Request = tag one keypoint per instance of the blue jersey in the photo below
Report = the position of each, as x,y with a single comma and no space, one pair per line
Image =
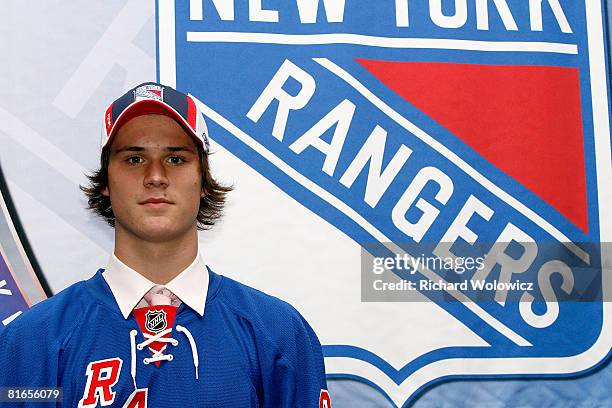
248,350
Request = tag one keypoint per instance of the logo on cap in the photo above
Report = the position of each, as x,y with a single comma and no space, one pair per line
156,321
155,92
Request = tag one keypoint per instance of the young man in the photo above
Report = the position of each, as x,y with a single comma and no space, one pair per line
158,328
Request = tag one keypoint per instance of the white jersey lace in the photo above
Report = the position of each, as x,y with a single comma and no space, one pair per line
159,355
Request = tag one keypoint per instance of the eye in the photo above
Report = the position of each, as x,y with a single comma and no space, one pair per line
134,160
176,160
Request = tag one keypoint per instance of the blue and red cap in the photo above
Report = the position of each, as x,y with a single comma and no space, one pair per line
153,98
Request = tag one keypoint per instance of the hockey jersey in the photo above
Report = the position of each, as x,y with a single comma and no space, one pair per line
249,349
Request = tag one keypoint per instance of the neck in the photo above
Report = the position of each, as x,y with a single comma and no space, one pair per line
160,262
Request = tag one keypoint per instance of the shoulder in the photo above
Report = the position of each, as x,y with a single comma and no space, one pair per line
56,317
288,352
253,303
280,346
275,317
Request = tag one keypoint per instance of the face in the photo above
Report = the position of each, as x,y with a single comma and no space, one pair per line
154,179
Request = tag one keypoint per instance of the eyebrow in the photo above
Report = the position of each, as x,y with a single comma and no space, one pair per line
171,149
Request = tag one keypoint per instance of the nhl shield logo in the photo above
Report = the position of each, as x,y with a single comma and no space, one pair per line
156,321
476,133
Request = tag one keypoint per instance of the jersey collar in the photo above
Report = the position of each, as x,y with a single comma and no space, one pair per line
129,287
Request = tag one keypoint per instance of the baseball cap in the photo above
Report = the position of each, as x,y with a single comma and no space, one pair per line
153,98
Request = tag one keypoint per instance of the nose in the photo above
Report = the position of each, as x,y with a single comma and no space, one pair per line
155,175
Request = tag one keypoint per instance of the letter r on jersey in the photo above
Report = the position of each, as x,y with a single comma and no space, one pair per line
102,375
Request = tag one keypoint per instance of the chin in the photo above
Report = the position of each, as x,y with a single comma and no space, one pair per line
158,235
159,230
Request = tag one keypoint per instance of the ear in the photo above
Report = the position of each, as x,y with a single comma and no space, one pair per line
105,192
203,193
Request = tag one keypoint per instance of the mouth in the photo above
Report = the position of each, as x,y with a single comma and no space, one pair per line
156,202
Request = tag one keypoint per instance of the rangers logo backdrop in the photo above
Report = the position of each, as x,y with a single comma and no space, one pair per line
357,135
421,122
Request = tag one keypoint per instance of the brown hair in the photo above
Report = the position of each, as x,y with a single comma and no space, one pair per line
211,205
